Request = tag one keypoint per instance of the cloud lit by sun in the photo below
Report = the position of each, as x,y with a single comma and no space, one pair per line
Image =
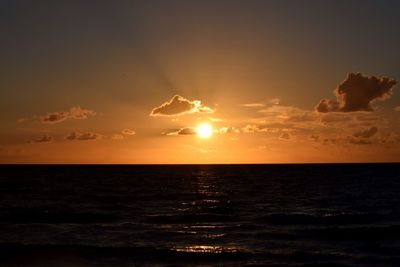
204,130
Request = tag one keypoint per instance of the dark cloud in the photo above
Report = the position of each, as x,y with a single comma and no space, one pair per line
187,131
183,131
43,139
315,138
366,133
83,136
326,105
55,117
76,113
356,93
128,132
178,105
285,136
360,141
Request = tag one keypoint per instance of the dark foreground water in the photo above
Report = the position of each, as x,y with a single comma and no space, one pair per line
224,215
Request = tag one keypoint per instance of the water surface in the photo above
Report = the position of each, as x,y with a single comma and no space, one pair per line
200,215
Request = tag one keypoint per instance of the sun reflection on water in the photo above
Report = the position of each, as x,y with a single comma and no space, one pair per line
206,249
205,206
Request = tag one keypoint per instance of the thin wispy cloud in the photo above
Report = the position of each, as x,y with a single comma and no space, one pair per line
76,113
128,132
366,133
117,137
252,105
42,139
83,136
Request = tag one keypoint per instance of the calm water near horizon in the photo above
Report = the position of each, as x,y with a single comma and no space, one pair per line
200,215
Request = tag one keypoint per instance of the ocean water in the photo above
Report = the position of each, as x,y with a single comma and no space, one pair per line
200,215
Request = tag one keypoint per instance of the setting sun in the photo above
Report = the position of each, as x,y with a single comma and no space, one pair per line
204,130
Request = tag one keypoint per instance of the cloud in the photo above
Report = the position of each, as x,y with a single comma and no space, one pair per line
360,141
335,118
327,105
213,119
285,136
43,139
227,130
55,117
83,136
183,131
253,105
128,132
303,117
390,138
356,93
178,105
368,118
117,137
252,128
273,101
79,113
187,131
76,113
366,133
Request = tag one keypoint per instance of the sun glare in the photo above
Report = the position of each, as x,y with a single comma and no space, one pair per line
204,130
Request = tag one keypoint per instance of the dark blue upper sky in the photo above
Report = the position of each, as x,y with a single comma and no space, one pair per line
292,40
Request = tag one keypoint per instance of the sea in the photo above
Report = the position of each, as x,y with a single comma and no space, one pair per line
200,215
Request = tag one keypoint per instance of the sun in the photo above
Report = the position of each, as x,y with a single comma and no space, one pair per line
204,130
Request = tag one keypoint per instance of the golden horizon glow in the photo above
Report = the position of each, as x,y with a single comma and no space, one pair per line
204,130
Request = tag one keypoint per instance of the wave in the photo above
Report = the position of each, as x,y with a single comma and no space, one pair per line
35,216
189,218
338,219
86,255
359,233
29,253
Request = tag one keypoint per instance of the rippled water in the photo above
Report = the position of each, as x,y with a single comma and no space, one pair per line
200,215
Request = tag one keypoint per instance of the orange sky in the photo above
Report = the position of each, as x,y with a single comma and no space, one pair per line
130,82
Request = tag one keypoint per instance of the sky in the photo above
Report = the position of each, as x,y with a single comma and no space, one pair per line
121,82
